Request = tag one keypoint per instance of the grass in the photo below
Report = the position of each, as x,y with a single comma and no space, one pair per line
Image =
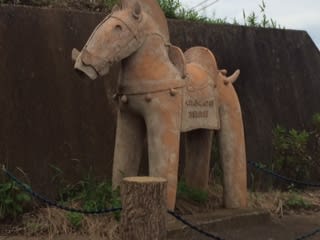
259,19
196,195
281,203
296,200
172,9
52,222
88,194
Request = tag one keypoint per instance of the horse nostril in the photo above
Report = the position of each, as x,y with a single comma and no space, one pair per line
118,28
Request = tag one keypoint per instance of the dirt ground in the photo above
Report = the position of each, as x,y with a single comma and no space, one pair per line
286,228
292,215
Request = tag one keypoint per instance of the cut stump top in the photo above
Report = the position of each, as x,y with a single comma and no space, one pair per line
144,180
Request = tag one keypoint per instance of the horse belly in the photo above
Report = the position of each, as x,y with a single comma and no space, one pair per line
200,109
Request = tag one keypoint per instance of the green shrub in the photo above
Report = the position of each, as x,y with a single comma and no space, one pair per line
316,122
170,7
296,201
290,152
75,219
315,142
110,3
174,9
13,201
193,194
89,194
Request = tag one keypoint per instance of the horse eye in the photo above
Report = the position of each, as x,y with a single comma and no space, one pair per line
118,27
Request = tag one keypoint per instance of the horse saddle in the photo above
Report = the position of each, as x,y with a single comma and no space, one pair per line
200,108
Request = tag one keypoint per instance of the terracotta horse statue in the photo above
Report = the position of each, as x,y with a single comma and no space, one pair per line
163,92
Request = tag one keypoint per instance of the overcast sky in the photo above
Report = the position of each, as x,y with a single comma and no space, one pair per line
292,14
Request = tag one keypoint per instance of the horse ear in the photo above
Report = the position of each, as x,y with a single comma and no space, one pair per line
116,8
136,13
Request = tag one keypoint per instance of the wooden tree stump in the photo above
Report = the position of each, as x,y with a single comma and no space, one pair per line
143,216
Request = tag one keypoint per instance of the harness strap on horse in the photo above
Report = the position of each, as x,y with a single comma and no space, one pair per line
149,87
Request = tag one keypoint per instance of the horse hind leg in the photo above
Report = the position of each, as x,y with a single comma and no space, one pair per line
232,151
198,144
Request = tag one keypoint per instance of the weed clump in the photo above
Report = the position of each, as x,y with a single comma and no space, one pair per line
13,201
196,195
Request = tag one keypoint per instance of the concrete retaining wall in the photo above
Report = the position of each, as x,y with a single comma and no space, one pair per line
49,117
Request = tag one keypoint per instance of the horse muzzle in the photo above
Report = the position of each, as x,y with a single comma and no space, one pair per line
88,64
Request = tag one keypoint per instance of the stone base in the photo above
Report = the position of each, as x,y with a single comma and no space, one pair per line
219,219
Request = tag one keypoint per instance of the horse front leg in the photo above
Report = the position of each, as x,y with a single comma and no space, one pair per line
130,134
163,130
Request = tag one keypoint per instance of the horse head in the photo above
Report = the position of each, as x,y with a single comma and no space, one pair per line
119,35
115,38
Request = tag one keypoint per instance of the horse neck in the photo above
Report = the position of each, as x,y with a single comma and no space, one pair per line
149,63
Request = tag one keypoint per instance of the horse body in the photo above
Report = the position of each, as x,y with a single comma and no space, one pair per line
154,80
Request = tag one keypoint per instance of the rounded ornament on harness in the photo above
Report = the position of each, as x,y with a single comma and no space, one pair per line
124,99
173,92
148,98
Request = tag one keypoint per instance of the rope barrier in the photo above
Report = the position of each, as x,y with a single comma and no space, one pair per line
178,217
185,222
288,180
54,203
283,178
103,211
309,235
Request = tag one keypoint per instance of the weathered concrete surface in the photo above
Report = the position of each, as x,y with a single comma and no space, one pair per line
251,226
220,219
48,115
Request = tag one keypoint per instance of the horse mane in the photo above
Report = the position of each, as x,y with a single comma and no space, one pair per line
152,8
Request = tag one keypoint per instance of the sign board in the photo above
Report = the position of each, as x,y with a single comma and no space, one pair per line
200,108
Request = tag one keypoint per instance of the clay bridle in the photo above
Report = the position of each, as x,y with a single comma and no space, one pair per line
135,34
132,28
92,58
127,25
